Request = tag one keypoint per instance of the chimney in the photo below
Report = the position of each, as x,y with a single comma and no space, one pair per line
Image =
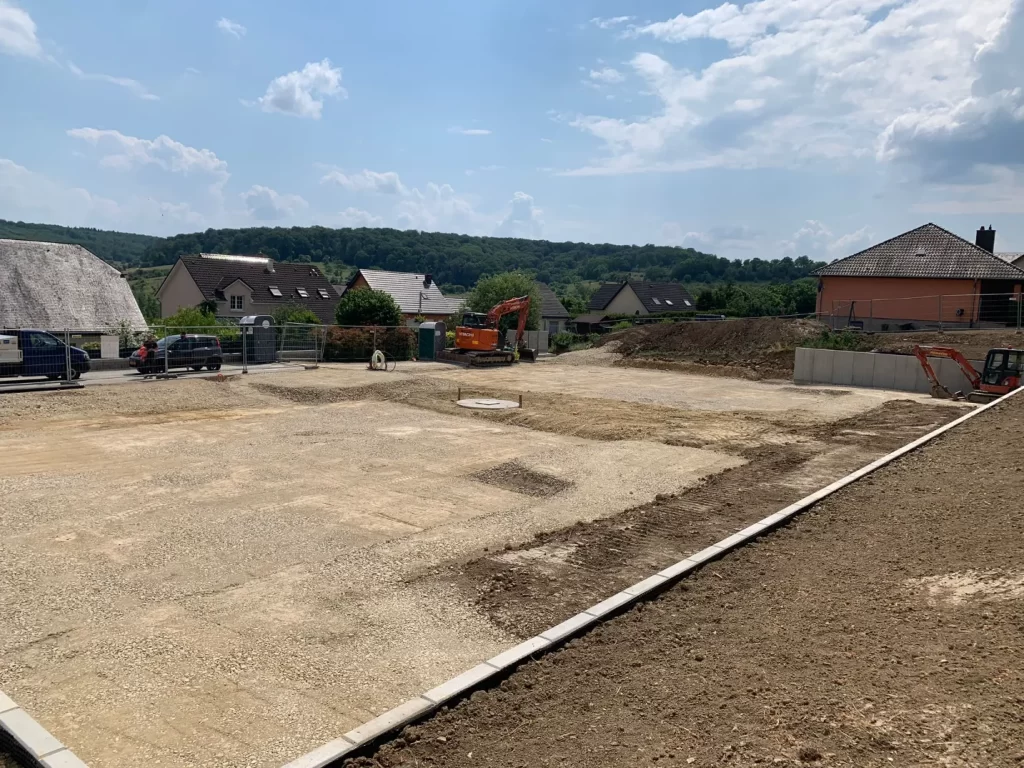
270,267
986,239
427,280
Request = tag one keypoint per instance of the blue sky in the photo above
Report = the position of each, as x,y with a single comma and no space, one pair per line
766,128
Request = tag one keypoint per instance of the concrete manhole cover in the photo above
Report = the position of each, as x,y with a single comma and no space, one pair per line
487,404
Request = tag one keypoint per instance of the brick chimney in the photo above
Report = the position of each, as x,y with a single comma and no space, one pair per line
986,238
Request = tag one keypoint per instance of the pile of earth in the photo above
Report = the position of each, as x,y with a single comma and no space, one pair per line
752,348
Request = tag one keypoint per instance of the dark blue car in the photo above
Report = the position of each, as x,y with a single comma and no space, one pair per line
38,353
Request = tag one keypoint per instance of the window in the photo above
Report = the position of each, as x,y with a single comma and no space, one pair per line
43,341
323,293
656,302
238,302
302,292
687,303
669,302
275,291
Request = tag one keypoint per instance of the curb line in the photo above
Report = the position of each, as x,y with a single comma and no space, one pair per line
369,734
31,743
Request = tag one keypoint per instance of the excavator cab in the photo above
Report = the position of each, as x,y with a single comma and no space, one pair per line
474,320
1003,370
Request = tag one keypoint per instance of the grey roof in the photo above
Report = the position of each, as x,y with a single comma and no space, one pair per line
656,297
405,288
213,272
1012,257
550,306
928,251
52,286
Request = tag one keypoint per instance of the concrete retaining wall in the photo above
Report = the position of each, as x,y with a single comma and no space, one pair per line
873,369
537,340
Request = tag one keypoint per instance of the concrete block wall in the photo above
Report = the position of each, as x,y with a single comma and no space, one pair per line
537,340
872,369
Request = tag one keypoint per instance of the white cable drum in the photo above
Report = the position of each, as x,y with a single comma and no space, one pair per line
377,361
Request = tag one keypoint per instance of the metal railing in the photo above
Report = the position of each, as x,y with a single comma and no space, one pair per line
926,313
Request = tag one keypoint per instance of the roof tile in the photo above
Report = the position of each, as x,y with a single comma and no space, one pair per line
928,251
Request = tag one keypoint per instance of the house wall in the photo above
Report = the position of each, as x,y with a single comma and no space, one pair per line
553,325
626,302
178,290
878,301
237,288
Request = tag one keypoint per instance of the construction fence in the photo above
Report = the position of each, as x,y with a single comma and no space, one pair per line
161,351
926,313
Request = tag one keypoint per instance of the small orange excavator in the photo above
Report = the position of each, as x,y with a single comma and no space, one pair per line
478,339
1002,372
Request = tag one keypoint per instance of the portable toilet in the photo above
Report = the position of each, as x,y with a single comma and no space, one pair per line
259,339
432,338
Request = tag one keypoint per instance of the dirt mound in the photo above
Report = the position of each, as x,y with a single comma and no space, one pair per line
762,347
513,476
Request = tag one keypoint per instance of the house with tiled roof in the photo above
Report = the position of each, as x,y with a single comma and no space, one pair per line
925,278
246,285
636,297
417,295
553,315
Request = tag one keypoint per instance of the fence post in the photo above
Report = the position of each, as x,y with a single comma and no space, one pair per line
871,316
323,346
374,341
1019,297
940,311
245,360
167,346
67,354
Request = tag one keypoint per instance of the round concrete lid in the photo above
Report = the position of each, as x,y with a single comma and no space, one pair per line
487,403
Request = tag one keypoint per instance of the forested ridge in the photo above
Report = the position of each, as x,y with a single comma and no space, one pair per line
455,261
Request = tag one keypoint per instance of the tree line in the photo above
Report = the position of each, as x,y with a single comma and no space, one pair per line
456,262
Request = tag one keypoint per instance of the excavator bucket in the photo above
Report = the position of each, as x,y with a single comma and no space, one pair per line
527,354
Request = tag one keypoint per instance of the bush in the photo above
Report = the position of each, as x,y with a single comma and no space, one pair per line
850,341
570,342
365,307
622,325
346,345
449,339
295,313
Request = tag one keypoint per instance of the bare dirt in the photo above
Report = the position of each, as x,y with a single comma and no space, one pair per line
764,348
755,348
513,476
881,628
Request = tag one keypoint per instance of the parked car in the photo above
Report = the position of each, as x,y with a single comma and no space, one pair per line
28,352
191,350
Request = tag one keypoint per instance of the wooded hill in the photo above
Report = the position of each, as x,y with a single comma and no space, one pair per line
454,260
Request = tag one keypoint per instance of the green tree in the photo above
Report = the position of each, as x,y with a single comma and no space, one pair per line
363,306
295,313
208,306
491,291
187,319
148,303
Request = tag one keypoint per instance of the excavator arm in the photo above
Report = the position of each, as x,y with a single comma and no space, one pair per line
923,353
520,305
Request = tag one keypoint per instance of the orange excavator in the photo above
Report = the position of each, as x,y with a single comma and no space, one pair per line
1001,374
478,339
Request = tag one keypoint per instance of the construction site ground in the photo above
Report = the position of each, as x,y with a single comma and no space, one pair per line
232,572
764,348
883,627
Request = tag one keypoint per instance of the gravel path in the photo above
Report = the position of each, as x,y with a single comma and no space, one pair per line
882,628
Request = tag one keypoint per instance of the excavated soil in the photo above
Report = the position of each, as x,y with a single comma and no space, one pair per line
513,476
756,348
525,590
881,628
764,348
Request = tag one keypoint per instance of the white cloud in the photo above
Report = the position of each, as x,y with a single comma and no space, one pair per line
265,204
609,23
131,152
302,93
817,241
18,32
356,217
524,219
998,191
30,196
470,131
548,141
608,75
232,28
437,209
134,86
826,81
387,183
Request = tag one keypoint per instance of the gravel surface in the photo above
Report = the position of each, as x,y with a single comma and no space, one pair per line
881,628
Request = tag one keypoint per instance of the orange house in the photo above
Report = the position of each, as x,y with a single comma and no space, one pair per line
925,278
